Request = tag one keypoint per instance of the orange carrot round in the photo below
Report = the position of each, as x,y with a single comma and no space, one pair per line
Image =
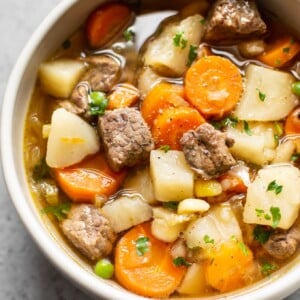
169,127
86,180
150,273
106,22
213,85
162,96
292,123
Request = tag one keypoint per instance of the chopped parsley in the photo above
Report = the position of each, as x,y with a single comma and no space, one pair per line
286,50
208,240
203,21
40,170
295,156
142,245
243,248
129,35
165,148
261,95
98,103
230,121
179,40
274,186
267,268
276,216
60,211
172,205
192,55
261,234
180,261
247,128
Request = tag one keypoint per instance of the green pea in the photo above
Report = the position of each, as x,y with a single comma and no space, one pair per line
104,268
296,88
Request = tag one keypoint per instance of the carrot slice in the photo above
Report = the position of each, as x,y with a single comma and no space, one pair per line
292,122
162,96
169,127
106,22
231,183
213,85
151,273
280,52
86,180
124,95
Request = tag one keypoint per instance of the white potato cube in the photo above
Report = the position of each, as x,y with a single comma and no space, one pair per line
70,140
59,77
164,56
218,226
267,95
285,196
172,178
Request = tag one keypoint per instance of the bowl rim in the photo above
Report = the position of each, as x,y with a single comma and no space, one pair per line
282,286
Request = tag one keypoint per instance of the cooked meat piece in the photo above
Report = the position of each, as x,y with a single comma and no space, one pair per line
282,245
103,74
206,150
89,231
126,137
232,20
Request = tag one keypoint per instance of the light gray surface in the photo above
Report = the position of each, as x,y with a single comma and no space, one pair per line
24,272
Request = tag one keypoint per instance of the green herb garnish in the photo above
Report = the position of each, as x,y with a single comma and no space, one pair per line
142,245
260,234
247,128
274,186
259,212
230,121
203,21
40,170
267,268
98,103
60,211
243,248
276,216
192,55
180,261
208,240
261,95
295,156
179,40
165,148
286,50
172,205
129,35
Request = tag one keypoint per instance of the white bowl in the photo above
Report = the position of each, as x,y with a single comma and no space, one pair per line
48,37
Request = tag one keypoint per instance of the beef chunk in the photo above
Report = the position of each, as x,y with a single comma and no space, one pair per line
206,150
103,74
232,20
89,231
126,138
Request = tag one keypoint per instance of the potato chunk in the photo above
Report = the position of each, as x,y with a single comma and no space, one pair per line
70,140
59,77
267,96
274,196
173,179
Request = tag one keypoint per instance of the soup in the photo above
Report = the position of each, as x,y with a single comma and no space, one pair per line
168,158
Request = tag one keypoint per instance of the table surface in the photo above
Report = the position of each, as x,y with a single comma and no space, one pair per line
24,271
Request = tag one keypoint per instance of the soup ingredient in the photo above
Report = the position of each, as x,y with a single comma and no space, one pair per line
172,123
172,178
59,77
214,86
70,140
272,198
146,80
207,188
215,228
229,267
282,245
106,22
206,151
232,20
191,205
98,103
90,178
104,268
89,231
127,211
280,51
152,274
292,122
296,88
59,211
284,152
251,48
126,137
278,100
163,95
49,191
164,55
167,225
123,95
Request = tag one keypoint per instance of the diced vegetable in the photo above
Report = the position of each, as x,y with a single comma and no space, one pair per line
88,179
167,225
166,57
71,139
207,188
173,179
189,206
272,198
215,228
284,152
59,77
292,122
152,274
147,79
127,211
251,48
267,95
214,86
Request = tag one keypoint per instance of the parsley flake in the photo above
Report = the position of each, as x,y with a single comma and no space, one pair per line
179,40
97,103
267,268
142,245
208,240
274,186
40,170
261,95
276,216
295,156
243,248
60,211
230,121
180,261
261,234
286,50
203,21
165,148
192,55
129,35
247,128
172,205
